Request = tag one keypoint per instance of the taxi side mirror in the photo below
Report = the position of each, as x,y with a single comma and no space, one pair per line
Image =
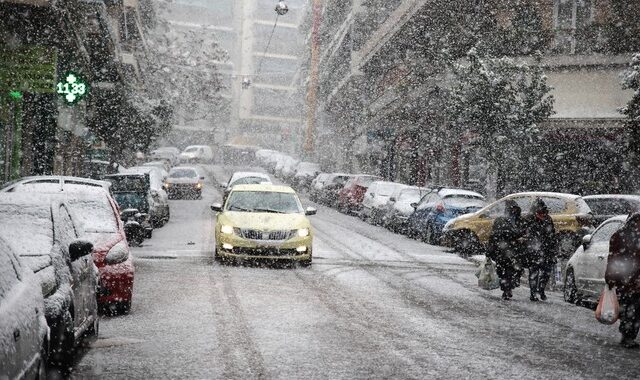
217,207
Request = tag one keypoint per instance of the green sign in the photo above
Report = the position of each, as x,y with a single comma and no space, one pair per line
72,88
28,69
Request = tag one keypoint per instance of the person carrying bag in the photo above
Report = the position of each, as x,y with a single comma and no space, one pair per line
488,276
623,273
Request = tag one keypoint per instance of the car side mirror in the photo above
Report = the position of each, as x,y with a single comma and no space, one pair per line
79,248
217,207
414,205
586,240
310,211
371,195
202,178
392,199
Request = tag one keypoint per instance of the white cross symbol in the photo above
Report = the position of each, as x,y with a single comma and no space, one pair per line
71,78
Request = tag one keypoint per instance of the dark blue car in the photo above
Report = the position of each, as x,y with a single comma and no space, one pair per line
438,207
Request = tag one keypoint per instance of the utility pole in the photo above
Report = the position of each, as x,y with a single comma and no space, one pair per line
312,91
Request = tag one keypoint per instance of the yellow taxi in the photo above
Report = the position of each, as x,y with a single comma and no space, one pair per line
263,222
570,213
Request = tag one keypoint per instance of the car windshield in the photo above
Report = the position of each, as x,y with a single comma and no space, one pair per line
28,229
183,173
128,183
263,201
191,150
609,206
96,216
132,200
464,201
411,195
249,181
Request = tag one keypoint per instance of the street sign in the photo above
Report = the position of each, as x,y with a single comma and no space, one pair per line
28,69
72,88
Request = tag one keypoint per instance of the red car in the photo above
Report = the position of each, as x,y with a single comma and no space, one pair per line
351,195
102,226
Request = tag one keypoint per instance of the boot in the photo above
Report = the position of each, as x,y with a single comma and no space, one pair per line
629,343
505,295
543,296
533,297
509,294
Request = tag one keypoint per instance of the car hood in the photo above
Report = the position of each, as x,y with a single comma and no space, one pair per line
263,221
461,218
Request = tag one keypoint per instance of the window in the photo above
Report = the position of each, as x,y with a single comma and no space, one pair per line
66,230
555,205
569,16
609,206
429,201
605,232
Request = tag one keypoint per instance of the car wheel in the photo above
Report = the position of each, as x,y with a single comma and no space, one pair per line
570,292
123,307
305,263
467,244
63,342
216,256
93,330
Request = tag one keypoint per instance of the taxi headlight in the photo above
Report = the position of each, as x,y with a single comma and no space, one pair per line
303,232
227,230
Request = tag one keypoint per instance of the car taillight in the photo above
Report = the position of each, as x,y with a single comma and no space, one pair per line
440,208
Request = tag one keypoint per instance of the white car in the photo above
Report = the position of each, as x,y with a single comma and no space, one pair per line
584,275
376,198
24,334
305,173
184,181
197,154
53,184
170,154
399,207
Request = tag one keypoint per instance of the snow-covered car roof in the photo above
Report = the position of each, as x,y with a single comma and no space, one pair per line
49,184
237,175
545,194
461,192
613,196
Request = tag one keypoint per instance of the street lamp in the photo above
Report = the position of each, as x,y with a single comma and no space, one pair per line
282,8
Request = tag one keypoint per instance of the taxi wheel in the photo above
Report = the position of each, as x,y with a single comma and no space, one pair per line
216,256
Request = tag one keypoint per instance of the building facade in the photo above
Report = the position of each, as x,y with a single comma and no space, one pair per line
261,76
384,81
41,43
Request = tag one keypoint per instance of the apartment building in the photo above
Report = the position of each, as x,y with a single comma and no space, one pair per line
383,85
261,76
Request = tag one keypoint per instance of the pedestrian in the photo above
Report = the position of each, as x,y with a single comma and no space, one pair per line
540,248
505,247
623,272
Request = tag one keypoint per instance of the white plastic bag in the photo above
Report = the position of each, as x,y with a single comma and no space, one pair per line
608,310
487,276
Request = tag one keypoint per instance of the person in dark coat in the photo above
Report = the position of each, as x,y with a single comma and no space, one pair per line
541,248
623,272
505,248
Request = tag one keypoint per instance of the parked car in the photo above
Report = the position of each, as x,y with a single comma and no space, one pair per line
99,215
331,187
157,179
184,181
132,193
42,231
263,222
305,172
316,185
97,169
584,274
437,208
271,161
288,169
196,154
375,200
163,166
570,213
399,207
170,154
24,334
607,206
53,183
351,195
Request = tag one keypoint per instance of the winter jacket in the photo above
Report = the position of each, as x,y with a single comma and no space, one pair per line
540,240
623,264
505,247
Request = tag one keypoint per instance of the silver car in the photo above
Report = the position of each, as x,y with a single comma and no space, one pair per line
584,275
24,334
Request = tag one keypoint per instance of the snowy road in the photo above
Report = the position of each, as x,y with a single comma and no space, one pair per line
373,305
